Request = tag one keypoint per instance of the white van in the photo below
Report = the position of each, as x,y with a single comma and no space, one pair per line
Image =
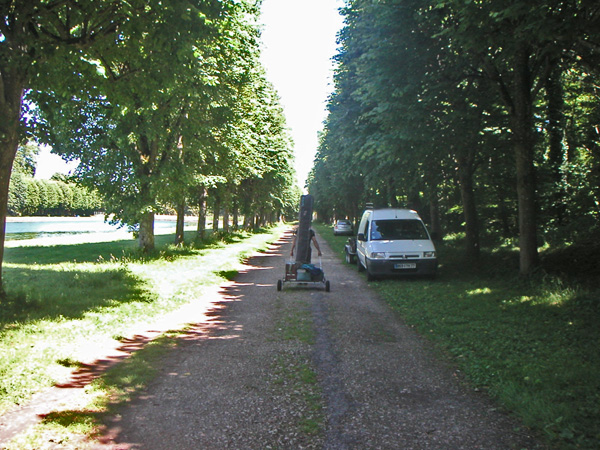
394,242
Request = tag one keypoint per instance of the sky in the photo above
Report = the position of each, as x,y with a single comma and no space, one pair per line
299,41
47,164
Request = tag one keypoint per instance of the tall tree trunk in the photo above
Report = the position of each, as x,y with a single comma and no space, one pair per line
146,233
503,214
12,84
432,183
235,210
467,194
437,233
216,212
391,193
522,128
263,218
248,218
519,104
226,219
502,192
356,212
148,153
179,228
236,217
201,230
556,126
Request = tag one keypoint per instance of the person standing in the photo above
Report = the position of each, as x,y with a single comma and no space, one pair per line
311,238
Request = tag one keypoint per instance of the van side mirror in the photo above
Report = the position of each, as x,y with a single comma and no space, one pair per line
360,237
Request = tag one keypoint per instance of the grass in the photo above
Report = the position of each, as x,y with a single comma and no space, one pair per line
295,370
65,297
532,344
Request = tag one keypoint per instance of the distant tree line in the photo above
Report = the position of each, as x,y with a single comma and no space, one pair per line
483,116
31,197
56,197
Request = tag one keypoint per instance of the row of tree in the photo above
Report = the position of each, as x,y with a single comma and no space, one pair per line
31,197
471,112
56,197
161,102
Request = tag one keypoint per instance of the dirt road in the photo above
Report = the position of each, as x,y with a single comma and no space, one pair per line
271,366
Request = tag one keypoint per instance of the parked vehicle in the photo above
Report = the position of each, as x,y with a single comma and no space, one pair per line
393,242
342,227
350,250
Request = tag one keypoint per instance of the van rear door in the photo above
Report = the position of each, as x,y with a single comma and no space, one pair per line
361,239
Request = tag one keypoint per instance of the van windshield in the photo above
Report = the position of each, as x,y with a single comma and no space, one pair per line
398,229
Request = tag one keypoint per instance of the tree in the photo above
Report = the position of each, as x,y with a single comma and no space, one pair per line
178,105
34,34
429,95
126,127
24,168
523,42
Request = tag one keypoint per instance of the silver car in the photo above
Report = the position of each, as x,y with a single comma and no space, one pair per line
342,227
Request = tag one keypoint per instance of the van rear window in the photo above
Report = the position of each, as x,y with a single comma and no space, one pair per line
398,229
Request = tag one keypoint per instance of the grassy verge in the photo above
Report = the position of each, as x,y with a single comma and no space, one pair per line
532,344
67,303
294,371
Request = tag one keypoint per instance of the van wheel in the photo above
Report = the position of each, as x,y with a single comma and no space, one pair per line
359,265
349,257
370,276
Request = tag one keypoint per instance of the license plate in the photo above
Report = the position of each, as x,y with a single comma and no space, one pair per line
405,266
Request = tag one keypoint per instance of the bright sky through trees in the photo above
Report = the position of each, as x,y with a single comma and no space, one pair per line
47,164
299,39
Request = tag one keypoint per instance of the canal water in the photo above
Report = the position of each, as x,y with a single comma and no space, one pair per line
76,228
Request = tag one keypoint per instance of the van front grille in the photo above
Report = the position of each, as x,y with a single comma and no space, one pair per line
405,256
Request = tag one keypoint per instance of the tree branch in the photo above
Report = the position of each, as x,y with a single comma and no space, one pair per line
494,74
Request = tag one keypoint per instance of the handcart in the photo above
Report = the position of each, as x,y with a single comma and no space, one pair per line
304,274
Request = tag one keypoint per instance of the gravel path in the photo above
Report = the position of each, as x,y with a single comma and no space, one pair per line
243,379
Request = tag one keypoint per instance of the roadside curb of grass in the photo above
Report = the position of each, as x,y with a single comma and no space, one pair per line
19,427
296,371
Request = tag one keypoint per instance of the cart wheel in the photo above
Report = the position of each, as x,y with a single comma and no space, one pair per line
327,286
279,285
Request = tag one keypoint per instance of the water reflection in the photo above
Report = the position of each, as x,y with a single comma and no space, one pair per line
22,236
25,228
33,227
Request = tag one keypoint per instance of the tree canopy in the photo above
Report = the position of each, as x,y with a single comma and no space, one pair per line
467,112
158,101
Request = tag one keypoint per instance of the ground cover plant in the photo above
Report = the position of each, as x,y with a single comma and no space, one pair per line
66,303
531,343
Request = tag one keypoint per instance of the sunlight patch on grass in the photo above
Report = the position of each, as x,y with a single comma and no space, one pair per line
479,291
